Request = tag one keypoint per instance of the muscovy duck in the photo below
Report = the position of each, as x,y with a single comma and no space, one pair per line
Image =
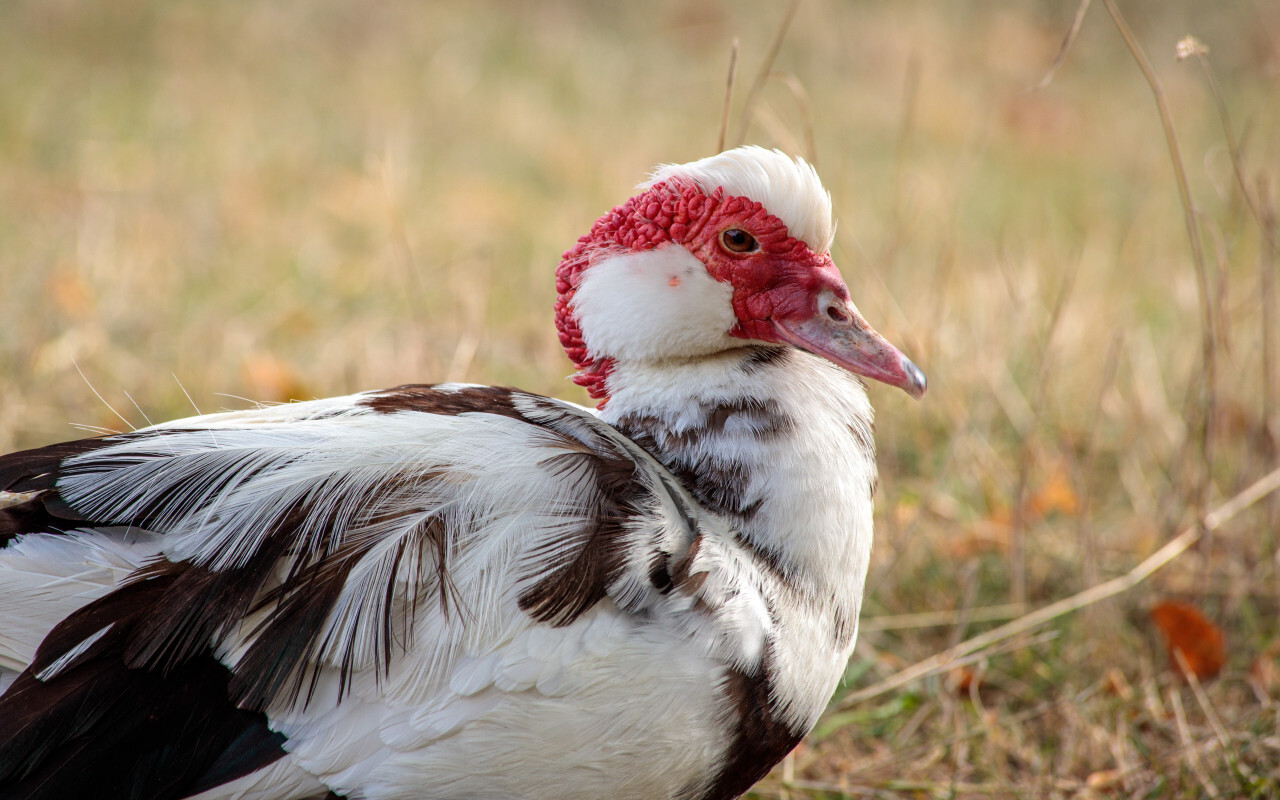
462,591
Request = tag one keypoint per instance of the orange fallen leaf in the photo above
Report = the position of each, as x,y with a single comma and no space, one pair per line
1055,494
981,537
71,294
270,379
1187,630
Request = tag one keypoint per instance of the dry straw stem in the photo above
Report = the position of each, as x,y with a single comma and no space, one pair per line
728,95
1027,454
806,113
1190,746
766,68
1085,486
1202,699
1209,343
947,658
897,228
1191,47
1266,265
1065,48
897,760
941,619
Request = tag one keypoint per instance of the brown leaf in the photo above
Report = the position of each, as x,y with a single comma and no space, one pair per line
270,379
981,537
1055,494
70,294
1200,641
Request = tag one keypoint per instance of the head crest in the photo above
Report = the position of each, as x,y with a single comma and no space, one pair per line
789,188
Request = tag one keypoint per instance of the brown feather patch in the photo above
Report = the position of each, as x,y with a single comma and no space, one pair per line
761,738
430,399
719,484
595,549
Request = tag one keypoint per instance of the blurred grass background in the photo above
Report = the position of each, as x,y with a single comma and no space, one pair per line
204,202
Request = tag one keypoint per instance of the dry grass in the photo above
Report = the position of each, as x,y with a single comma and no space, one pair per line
293,200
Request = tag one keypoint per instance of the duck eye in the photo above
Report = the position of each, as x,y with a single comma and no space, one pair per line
736,240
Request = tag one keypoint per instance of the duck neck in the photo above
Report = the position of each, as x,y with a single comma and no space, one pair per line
777,441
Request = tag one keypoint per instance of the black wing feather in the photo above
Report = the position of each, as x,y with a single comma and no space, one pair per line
99,729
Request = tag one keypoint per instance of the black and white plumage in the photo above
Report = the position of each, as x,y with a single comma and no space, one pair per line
460,591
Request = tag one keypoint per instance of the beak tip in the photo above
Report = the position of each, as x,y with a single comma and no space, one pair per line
916,384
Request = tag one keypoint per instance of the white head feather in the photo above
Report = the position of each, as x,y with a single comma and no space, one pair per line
789,188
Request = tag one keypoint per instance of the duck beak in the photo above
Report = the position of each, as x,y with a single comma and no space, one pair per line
838,333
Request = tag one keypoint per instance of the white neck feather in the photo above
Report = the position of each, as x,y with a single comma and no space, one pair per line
810,484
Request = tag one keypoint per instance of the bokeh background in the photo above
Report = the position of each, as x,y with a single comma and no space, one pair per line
208,204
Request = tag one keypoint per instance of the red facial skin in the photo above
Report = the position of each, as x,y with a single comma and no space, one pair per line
777,287
779,280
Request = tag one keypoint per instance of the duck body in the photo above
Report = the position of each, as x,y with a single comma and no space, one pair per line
459,591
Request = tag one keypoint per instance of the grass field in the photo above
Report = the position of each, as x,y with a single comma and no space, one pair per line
205,202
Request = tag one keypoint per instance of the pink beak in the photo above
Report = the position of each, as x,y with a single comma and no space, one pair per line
838,333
